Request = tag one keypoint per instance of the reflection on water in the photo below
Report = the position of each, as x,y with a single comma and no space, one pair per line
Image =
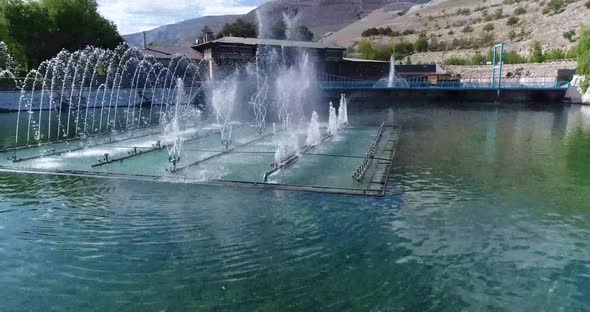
487,209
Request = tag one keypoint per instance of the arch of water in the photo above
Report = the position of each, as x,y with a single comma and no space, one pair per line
97,91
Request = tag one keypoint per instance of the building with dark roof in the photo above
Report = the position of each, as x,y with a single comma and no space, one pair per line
244,49
228,51
164,54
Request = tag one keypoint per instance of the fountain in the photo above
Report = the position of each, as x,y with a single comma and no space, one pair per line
332,121
343,112
314,137
392,79
96,92
223,99
133,117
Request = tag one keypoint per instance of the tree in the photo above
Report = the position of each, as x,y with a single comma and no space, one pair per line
45,27
371,32
278,30
239,28
302,33
403,49
366,49
421,45
536,53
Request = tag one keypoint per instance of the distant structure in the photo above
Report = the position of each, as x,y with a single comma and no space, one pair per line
165,54
373,69
206,35
228,51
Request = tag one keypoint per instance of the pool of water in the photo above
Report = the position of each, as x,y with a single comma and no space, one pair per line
488,208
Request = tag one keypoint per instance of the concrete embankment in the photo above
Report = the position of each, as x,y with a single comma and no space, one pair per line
536,70
557,71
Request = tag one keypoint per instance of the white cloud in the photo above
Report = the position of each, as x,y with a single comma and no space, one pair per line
138,15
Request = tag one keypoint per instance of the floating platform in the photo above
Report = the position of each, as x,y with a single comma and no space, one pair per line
327,168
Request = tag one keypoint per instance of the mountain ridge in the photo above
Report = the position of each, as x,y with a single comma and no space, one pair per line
320,16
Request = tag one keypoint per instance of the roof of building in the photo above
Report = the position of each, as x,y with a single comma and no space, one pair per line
350,59
267,42
170,52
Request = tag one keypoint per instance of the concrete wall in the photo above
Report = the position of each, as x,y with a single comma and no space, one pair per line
549,69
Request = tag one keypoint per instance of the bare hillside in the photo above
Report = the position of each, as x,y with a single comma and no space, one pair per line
326,16
516,23
321,16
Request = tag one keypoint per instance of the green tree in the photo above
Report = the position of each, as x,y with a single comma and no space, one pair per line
403,49
421,45
45,27
583,51
536,53
239,28
302,33
366,49
278,30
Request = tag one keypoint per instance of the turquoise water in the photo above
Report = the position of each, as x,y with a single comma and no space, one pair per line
488,208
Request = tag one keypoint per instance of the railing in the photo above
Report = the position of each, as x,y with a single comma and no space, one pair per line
362,169
338,82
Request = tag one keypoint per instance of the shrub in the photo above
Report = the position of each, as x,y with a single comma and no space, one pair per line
467,29
402,13
488,27
487,40
408,32
498,14
387,31
557,54
511,57
512,35
370,32
519,11
513,20
587,4
583,52
455,61
570,36
463,11
585,84
557,6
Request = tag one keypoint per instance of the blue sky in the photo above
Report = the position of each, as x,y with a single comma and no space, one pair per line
138,15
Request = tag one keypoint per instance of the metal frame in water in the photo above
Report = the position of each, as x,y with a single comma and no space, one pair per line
327,168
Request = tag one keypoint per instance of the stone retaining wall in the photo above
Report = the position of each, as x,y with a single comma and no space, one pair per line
511,70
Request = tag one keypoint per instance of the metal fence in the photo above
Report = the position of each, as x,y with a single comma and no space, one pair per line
338,82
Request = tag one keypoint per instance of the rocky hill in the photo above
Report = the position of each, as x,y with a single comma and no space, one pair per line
325,16
320,16
183,33
457,23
